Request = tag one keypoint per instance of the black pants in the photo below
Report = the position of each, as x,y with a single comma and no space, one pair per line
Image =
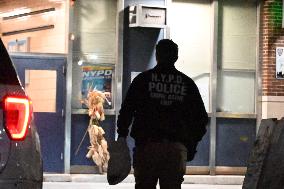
163,161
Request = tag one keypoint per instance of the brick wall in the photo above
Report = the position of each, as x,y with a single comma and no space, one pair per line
271,36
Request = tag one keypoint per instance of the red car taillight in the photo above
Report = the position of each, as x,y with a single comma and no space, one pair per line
17,116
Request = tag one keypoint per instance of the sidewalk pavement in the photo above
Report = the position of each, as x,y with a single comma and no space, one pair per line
188,179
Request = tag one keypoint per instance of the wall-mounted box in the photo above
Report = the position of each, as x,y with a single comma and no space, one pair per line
147,16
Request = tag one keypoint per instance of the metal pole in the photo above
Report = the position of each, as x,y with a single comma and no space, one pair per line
258,83
167,29
67,142
119,57
213,84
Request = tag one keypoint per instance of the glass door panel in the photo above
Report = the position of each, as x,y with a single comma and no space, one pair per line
190,28
40,85
237,56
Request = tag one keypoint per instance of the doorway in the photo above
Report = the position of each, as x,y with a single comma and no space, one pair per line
44,81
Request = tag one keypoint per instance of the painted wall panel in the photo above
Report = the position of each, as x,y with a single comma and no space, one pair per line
78,128
139,44
51,40
235,139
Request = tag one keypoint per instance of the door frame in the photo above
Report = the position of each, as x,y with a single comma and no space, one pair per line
60,68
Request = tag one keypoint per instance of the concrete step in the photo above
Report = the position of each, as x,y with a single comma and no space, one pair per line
188,179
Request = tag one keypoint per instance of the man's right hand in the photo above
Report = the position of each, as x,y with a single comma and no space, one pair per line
121,139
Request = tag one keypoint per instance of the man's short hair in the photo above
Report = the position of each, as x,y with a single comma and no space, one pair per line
167,51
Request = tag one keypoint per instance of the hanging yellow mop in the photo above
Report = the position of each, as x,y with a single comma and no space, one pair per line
98,148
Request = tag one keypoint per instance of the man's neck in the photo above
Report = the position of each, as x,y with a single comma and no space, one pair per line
165,65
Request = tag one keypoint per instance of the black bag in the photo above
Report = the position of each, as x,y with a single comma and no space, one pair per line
191,150
119,164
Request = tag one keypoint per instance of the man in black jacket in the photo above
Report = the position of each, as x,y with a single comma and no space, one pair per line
168,120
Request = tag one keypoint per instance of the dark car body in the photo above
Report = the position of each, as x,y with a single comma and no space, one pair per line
20,158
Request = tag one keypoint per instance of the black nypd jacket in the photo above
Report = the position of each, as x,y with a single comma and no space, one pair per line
163,103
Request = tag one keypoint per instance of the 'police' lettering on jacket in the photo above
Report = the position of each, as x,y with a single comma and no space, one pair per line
167,88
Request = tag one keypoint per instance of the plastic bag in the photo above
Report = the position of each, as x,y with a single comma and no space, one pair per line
119,164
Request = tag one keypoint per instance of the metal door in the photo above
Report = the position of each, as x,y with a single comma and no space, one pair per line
44,81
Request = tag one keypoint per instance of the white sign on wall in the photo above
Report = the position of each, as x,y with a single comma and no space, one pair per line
280,62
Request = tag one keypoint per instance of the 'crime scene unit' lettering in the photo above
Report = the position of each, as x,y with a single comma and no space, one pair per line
167,88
